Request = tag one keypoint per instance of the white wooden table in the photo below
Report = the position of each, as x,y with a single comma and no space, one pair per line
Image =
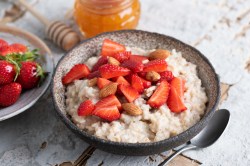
218,28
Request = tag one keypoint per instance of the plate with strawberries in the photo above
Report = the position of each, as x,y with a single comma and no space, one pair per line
26,67
134,92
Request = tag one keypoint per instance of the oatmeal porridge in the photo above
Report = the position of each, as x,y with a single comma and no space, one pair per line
109,105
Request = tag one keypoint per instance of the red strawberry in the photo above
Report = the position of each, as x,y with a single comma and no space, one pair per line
101,82
19,48
175,99
175,102
102,61
109,101
122,56
146,83
110,47
158,65
133,65
179,85
109,113
5,50
30,74
109,71
9,94
7,72
122,80
138,58
86,108
129,92
94,74
160,95
13,48
136,83
142,74
166,75
77,72
3,43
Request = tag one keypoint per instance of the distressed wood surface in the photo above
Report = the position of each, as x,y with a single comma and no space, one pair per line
218,28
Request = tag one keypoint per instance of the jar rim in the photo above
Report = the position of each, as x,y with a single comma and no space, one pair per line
105,6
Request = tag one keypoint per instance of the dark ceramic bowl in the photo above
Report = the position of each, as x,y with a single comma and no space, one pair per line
144,40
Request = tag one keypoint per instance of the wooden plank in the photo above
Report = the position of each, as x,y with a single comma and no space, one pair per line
181,160
224,92
247,67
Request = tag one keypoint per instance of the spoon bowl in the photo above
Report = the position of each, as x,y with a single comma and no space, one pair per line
209,135
213,130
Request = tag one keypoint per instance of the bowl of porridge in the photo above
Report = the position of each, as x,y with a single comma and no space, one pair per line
134,92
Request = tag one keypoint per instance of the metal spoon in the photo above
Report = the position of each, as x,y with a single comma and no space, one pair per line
207,136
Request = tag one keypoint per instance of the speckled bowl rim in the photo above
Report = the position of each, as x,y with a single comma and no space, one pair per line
192,129
29,37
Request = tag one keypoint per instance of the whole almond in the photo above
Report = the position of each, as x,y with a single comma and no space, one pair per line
107,90
92,82
113,61
159,54
131,109
153,76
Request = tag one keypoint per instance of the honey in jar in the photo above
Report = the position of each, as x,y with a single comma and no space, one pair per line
97,16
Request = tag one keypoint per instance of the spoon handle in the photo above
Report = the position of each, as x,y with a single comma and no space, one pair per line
167,160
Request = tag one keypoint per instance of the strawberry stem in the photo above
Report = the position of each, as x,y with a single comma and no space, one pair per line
40,73
17,58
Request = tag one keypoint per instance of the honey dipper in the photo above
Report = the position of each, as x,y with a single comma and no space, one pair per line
62,35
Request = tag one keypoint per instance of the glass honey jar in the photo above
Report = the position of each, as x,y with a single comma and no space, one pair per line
97,16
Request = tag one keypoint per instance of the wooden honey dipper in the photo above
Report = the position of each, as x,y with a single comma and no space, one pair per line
62,35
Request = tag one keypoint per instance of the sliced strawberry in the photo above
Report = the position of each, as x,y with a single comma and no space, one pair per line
142,74
136,83
86,108
175,101
19,48
158,65
3,43
179,85
109,113
102,61
133,65
110,47
77,72
109,101
122,56
109,71
146,83
138,58
94,74
166,75
101,82
129,92
160,95
122,80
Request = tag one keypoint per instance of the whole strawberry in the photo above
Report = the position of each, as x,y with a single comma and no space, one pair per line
7,72
3,43
9,94
19,48
15,48
30,74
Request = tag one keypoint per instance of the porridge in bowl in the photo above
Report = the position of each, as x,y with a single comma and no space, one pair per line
134,95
